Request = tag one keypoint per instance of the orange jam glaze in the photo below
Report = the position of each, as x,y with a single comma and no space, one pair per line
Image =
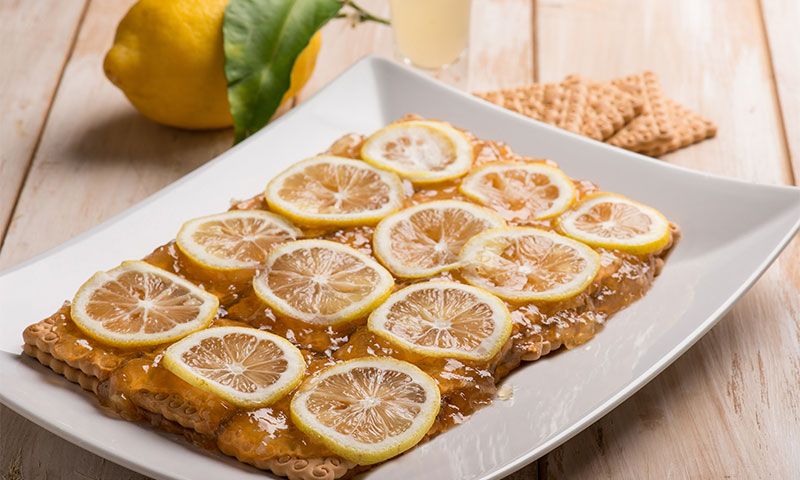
228,286
538,328
142,386
60,337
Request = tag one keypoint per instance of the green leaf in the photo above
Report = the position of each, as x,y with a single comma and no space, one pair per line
262,40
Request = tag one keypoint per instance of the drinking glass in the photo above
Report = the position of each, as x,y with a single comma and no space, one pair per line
431,34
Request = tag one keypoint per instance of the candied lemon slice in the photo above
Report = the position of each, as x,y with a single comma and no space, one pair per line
322,282
528,264
420,150
234,240
612,221
424,240
444,319
137,304
334,191
520,191
246,366
367,410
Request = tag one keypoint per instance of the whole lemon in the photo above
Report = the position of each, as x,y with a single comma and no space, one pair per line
168,59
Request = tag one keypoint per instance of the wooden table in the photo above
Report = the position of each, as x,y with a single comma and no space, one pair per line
73,153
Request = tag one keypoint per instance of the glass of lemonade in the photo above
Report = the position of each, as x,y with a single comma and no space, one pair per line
431,34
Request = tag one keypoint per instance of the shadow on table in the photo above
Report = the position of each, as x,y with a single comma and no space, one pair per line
126,136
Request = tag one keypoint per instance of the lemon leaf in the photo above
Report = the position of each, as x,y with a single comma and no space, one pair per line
262,40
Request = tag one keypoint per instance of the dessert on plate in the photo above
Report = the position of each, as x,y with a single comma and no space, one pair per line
369,299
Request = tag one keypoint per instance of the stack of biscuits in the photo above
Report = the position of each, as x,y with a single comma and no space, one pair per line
630,112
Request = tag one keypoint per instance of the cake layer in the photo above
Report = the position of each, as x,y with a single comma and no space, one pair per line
137,386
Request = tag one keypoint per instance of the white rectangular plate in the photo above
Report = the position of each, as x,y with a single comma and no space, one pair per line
731,232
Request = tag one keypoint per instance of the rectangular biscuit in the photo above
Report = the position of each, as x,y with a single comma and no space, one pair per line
58,337
183,415
561,104
609,109
145,384
654,126
690,128
140,388
249,436
74,375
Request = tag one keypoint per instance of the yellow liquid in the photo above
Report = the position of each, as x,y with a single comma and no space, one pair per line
431,33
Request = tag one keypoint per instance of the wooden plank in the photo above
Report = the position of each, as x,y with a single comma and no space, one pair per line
728,408
97,155
781,18
30,452
35,50
501,44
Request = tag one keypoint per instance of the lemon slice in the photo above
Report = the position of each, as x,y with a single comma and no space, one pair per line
528,264
612,221
137,305
322,282
248,367
444,319
420,150
424,240
334,191
367,410
520,191
234,240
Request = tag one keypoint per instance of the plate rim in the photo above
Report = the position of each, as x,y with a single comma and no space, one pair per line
370,63
639,382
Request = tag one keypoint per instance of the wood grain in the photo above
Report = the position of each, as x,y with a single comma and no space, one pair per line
781,19
342,45
97,155
29,452
501,44
726,409
34,53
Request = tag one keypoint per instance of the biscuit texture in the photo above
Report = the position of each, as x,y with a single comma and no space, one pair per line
609,110
631,112
58,336
327,468
690,129
654,125
561,104
74,375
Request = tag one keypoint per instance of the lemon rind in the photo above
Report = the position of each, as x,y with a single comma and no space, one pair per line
653,244
84,321
382,290
503,323
359,453
464,154
198,255
288,210
383,230
475,243
171,361
564,183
